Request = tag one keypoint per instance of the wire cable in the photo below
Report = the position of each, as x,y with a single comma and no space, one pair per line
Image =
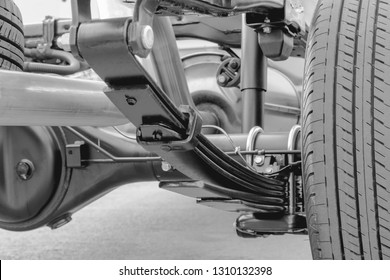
237,149
132,137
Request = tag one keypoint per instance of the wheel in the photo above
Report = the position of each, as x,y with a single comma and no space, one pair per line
346,130
11,37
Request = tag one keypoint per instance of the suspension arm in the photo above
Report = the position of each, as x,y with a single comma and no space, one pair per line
170,132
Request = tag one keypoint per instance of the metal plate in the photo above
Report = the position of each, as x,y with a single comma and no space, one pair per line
20,199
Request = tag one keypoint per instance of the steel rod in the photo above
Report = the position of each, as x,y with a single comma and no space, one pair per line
108,154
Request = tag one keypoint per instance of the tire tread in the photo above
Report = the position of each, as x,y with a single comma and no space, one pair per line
345,133
11,37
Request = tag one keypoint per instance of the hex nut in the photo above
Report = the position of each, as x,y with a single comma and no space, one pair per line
259,160
166,167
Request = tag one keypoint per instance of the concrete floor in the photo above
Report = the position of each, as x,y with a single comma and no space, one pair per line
140,221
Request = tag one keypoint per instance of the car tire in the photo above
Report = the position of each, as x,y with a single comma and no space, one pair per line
346,130
11,37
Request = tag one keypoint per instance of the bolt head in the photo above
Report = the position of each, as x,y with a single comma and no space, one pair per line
259,160
267,30
222,79
269,170
64,42
147,37
131,100
157,135
166,167
25,169
234,65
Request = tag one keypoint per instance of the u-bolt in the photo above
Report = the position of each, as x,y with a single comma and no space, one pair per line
251,141
291,145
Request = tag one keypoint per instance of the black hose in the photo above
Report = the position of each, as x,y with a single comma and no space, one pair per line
72,67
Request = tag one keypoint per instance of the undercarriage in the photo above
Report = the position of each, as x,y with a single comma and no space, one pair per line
228,123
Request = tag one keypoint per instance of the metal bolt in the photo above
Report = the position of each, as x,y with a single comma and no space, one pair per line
259,160
234,65
166,167
131,100
222,79
267,30
269,170
157,135
25,169
147,37
63,42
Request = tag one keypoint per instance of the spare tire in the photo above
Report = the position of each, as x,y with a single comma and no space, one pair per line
346,130
11,37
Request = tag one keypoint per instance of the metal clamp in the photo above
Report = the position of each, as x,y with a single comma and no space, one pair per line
74,154
168,144
291,145
251,142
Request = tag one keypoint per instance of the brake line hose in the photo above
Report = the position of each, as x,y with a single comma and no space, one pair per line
72,67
